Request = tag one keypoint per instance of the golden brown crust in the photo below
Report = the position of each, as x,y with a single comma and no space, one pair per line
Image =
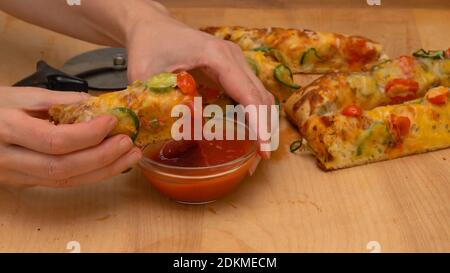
339,141
153,110
334,91
336,52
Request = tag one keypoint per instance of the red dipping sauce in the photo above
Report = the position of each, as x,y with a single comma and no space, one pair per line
198,171
202,153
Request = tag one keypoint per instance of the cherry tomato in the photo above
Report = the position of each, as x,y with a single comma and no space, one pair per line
400,126
438,95
401,90
352,111
186,83
447,53
357,51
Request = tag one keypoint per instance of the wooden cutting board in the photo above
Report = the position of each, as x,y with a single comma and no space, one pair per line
289,204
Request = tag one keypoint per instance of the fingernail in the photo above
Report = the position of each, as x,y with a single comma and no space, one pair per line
134,158
125,143
127,170
255,163
264,155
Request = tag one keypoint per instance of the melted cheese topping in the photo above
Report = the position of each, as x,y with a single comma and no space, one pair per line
147,105
338,52
352,141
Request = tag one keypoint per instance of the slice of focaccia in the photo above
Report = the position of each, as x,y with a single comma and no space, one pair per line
385,132
391,82
306,51
143,109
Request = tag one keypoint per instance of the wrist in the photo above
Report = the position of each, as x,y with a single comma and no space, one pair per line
149,16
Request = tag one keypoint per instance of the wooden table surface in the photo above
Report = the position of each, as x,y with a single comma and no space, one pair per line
289,205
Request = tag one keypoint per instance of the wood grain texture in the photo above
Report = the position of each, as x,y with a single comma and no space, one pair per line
289,204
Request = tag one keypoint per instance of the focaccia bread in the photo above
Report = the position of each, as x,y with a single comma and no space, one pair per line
143,109
306,51
394,110
385,132
391,82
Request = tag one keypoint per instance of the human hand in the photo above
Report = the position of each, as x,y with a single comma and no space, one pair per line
161,43
34,151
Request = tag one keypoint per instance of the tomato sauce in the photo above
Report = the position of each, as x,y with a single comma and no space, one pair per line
202,153
176,174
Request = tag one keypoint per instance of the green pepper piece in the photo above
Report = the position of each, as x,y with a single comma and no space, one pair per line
162,82
430,54
128,122
283,74
296,145
253,65
310,56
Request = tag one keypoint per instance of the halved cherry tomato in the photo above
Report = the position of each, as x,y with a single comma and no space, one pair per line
407,64
400,126
186,83
438,95
358,52
447,53
352,111
401,90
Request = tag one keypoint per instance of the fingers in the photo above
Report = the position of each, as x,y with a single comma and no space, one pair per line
113,169
116,168
227,63
42,136
231,75
36,99
58,167
6,179
266,99
265,96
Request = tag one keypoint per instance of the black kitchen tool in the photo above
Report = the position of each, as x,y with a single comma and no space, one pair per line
103,69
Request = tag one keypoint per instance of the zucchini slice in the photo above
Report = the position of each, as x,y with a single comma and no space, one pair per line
296,145
277,54
430,54
128,122
253,65
264,49
310,56
162,82
367,135
380,65
283,74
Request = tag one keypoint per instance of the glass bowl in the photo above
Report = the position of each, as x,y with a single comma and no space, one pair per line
198,185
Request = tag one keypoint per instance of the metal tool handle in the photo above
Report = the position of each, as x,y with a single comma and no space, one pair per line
53,79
